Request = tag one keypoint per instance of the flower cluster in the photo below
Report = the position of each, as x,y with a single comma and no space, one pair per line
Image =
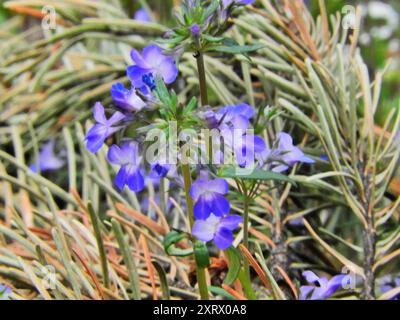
148,65
151,71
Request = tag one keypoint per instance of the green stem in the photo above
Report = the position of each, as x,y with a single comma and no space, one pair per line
201,274
246,235
202,78
203,93
245,278
162,194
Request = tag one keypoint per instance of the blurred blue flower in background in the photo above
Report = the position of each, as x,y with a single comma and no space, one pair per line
48,160
142,15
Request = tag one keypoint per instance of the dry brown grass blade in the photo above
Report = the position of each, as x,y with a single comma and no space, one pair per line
141,218
91,274
160,214
149,265
288,281
35,13
296,7
262,237
233,292
255,266
395,186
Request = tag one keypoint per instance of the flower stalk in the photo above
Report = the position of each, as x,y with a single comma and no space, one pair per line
200,272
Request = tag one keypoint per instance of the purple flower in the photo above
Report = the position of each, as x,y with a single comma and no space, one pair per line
195,29
248,149
126,99
159,170
219,229
285,155
236,116
388,283
4,292
102,129
322,288
209,197
48,160
142,15
149,65
129,174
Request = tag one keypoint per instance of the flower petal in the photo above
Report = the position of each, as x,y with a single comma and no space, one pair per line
203,230
231,222
120,179
98,113
153,55
198,188
168,70
201,209
135,74
134,179
115,155
223,239
218,185
310,276
305,292
139,60
95,137
219,205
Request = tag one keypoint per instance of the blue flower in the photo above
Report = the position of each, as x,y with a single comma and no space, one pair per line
159,170
102,129
126,99
4,292
195,29
48,160
209,197
388,283
285,154
149,65
322,288
219,229
129,173
248,149
142,15
236,116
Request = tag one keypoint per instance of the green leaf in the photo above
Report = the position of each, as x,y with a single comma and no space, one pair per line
255,174
171,239
163,280
191,105
236,49
210,38
234,258
221,292
210,9
162,92
201,254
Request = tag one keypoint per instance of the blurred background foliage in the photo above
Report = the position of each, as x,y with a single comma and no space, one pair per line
379,41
